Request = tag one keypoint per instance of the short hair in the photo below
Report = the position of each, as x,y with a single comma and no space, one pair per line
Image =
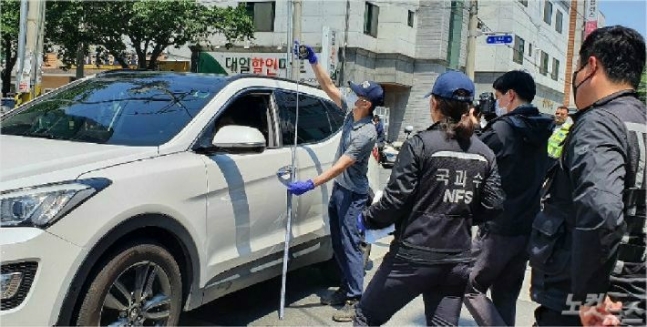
562,107
519,81
620,50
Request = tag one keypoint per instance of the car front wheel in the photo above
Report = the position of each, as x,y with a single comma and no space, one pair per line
140,285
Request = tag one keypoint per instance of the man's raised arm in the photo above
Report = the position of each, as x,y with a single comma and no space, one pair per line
323,78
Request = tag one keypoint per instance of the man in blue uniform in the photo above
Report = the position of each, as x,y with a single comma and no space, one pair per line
350,190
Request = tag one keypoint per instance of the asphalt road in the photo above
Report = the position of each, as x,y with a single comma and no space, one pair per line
258,305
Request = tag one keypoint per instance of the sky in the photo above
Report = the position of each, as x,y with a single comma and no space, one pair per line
630,13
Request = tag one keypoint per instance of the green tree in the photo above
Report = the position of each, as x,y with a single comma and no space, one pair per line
9,28
65,31
642,89
147,26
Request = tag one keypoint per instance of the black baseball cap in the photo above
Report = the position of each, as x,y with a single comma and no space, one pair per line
369,90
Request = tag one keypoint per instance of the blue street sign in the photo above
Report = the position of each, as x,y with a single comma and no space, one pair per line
499,39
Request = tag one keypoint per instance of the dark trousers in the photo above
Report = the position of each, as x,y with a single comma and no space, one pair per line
343,209
397,282
549,317
500,266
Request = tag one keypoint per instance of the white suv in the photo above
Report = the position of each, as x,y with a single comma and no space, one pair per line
129,197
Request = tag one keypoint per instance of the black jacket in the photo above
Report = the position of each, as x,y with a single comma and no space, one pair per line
438,188
519,140
577,236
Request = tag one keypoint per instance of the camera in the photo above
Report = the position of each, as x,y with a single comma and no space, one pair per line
486,105
303,52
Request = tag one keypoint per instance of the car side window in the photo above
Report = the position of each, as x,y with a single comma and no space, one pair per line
336,116
316,122
251,110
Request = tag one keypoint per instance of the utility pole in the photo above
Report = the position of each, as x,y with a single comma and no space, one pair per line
471,39
342,71
296,35
21,43
37,68
31,52
289,55
31,44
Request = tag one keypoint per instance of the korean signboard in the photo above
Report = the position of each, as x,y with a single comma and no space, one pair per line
330,52
268,64
591,17
276,64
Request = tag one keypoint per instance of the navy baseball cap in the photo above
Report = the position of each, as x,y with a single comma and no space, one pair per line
449,82
369,90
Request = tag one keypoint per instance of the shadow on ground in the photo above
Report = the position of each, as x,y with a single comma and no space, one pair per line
251,304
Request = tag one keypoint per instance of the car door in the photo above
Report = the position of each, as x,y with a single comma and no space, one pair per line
317,142
245,202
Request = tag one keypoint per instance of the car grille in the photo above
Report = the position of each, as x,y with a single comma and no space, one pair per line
28,269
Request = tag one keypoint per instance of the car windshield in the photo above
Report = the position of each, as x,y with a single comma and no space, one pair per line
134,108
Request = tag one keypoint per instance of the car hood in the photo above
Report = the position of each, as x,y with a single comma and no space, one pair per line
27,161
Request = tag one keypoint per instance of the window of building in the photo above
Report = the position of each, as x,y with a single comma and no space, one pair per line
262,13
555,74
410,18
518,50
548,12
559,20
371,13
524,2
318,120
543,67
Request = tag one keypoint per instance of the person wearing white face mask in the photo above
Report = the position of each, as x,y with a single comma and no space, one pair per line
350,188
500,111
519,138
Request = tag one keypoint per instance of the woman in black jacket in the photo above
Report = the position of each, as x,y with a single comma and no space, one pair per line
444,181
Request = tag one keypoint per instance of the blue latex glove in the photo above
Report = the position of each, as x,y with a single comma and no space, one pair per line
360,223
300,187
309,53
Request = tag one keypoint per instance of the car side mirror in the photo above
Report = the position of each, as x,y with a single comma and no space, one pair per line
239,140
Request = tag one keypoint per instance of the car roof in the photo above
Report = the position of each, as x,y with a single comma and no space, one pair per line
229,78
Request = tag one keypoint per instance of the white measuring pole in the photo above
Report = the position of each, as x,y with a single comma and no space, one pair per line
290,214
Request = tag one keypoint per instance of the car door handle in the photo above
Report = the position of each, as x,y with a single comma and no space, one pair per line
285,174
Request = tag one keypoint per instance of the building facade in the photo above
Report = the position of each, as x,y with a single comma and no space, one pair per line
585,17
540,30
403,45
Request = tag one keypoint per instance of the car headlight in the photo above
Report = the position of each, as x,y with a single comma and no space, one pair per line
41,206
